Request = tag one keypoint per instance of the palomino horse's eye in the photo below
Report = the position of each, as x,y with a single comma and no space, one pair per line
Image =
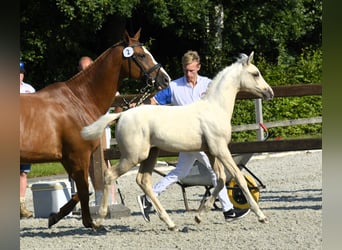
255,74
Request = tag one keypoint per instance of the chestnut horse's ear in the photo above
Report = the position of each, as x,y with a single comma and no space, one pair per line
137,35
127,38
250,58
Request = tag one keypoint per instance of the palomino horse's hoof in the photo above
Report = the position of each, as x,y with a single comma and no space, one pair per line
264,220
173,229
52,219
99,228
198,219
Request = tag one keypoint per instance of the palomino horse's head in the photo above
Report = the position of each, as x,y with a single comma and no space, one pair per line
252,80
141,64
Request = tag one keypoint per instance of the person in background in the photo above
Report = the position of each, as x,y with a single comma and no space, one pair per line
25,168
83,63
184,91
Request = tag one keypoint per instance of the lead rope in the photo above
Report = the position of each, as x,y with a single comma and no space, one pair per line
146,93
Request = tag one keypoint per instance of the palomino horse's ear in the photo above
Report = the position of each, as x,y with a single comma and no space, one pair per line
250,58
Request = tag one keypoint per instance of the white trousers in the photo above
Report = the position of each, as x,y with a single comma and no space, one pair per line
183,167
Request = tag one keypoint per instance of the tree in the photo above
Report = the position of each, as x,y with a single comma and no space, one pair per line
55,33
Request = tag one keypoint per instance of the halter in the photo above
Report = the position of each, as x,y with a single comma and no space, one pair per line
149,81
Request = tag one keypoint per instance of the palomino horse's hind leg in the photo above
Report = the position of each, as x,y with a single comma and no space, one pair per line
108,179
221,178
110,175
230,165
63,211
144,180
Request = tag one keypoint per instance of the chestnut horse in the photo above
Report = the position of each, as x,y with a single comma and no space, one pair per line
141,131
51,119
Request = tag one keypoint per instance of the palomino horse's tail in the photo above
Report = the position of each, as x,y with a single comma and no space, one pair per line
95,130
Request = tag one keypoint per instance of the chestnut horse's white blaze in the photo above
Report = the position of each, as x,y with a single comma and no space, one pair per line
207,128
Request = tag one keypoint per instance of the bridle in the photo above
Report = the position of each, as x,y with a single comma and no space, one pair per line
146,76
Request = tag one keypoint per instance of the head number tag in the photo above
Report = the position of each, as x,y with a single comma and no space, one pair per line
128,52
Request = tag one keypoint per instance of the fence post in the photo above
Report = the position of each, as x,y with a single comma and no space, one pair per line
259,118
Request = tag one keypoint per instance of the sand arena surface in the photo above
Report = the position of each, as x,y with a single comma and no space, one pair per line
292,201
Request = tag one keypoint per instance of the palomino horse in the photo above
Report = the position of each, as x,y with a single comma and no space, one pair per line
51,119
141,130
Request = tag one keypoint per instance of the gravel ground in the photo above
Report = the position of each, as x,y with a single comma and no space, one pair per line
292,200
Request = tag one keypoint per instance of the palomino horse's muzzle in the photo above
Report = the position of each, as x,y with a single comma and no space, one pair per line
268,94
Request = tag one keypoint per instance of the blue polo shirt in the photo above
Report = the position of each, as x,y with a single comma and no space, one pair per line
180,92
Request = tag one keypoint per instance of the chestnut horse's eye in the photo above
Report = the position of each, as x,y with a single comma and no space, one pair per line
142,56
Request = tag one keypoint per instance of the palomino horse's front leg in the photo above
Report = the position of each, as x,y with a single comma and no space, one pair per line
144,180
228,161
221,179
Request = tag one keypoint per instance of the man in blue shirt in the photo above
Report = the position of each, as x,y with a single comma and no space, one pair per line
183,91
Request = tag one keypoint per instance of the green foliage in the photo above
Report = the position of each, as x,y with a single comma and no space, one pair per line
305,68
94,11
271,27
54,34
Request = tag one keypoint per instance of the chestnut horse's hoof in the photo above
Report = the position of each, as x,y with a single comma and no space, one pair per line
52,219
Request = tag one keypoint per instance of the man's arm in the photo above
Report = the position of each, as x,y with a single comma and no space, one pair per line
153,101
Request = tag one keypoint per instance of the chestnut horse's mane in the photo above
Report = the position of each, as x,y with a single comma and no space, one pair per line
99,58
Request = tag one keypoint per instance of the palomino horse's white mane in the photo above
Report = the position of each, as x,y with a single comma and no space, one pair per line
225,73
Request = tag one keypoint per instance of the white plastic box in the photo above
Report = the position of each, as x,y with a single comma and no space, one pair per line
49,197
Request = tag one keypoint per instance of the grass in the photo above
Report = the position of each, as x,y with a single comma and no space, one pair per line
56,168
46,169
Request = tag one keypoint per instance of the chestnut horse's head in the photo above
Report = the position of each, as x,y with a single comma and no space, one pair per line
141,64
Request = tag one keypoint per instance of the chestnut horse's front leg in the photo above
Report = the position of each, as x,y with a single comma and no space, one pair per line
81,180
63,211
